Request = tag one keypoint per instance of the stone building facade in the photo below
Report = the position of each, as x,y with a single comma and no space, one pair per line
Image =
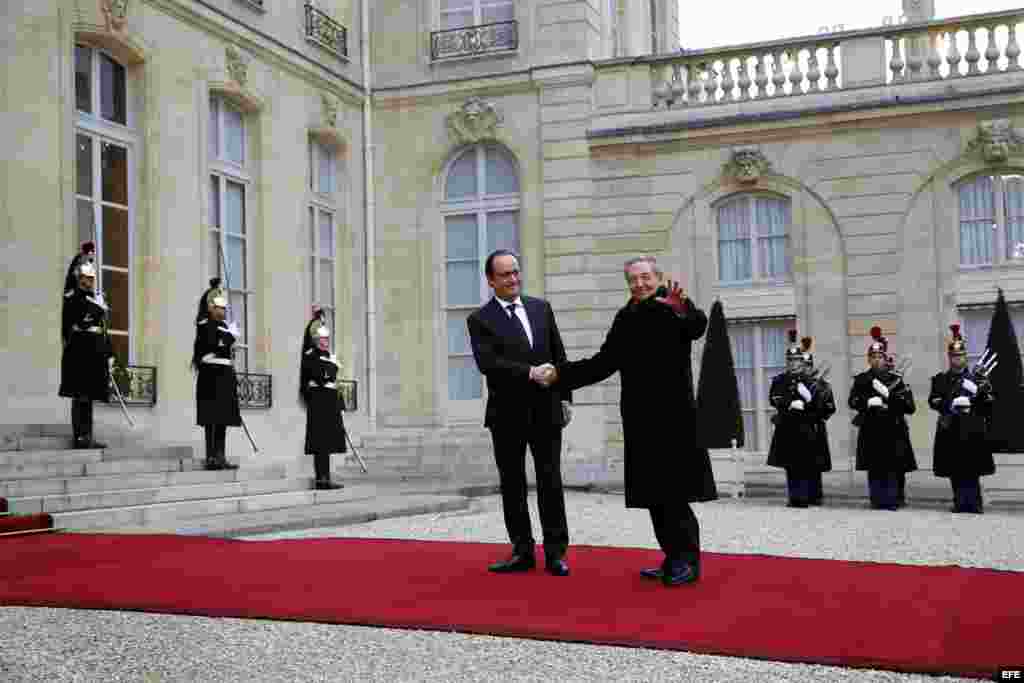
368,155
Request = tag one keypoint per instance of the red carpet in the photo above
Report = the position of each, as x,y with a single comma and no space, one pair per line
9,523
923,619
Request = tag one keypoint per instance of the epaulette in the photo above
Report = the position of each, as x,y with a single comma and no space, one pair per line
308,351
68,294
202,322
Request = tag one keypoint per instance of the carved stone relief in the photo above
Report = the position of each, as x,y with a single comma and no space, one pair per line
237,65
474,121
746,166
329,110
115,12
996,141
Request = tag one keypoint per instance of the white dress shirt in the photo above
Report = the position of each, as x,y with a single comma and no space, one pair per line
520,312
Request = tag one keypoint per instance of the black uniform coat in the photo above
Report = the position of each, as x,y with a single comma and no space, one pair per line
325,430
883,441
216,385
649,346
504,356
84,368
800,441
961,447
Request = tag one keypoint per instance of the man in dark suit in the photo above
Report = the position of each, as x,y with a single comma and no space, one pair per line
515,342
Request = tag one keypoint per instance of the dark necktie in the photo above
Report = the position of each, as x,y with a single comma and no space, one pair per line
522,328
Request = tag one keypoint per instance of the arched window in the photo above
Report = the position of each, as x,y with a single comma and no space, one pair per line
753,239
481,214
105,143
991,219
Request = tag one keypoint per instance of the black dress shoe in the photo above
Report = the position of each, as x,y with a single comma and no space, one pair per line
793,504
556,567
652,573
515,563
327,485
680,574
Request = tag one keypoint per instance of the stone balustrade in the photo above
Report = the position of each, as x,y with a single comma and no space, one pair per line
934,50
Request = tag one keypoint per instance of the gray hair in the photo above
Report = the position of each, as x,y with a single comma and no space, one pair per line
641,259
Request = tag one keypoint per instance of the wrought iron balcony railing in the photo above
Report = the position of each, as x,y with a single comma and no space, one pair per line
137,384
255,4
326,32
254,390
348,390
474,40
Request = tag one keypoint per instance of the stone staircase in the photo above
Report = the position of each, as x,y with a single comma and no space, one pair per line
151,488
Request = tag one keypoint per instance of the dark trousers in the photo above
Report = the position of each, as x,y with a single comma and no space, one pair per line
803,487
966,494
510,456
216,438
817,492
678,533
81,419
901,489
884,489
322,466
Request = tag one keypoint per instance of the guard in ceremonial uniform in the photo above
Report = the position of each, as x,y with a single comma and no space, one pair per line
216,385
318,376
88,354
963,400
882,401
803,402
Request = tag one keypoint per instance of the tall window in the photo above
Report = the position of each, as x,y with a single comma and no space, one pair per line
481,214
976,322
991,219
463,13
322,218
104,143
229,223
759,353
753,239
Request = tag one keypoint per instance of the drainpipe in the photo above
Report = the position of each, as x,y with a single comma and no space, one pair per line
370,220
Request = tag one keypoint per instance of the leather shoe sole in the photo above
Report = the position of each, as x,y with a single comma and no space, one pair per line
516,563
687,575
652,573
557,568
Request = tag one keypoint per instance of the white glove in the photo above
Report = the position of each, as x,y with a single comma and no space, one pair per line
233,330
970,386
875,402
796,405
804,392
880,388
961,402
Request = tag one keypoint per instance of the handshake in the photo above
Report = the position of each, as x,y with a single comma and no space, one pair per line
544,375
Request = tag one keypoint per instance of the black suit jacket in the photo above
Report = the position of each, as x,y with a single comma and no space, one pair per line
504,356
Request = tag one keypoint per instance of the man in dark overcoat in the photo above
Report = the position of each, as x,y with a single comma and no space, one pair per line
88,353
964,402
882,401
217,405
666,468
318,385
515,342
803,402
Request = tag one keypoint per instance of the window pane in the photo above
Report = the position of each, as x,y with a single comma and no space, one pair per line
234,208
975,329
771,215
976,243
238,313
464,381
216,260
1013,198
115,237
86,220
503,231
325,172
114,173
750,431
977,217
234,134
456,18
326,234
113,96
120,344
734,259
236,262
500,172
463,283
327,282
83,79
214,201
497,10
214,133
462,237
458,333
115,291
462,177
83,165
743,354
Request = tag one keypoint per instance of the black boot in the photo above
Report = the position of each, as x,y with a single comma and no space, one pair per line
322,472
211,447
87,426
220,433
78,439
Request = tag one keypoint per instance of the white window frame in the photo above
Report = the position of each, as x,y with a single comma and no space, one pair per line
763,410
480,205
755,255
323,203
104,131
999,244
478,6
226,171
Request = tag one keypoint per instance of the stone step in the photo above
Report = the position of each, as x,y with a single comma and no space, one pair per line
92,455
167,514
143,480
88,469
149,496
322,515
